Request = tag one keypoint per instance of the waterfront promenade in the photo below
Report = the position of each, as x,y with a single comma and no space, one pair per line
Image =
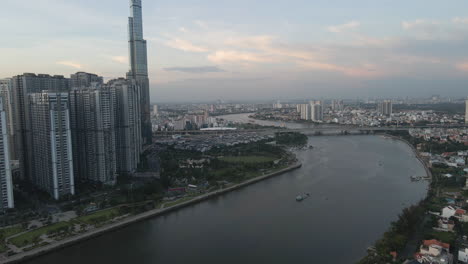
19,258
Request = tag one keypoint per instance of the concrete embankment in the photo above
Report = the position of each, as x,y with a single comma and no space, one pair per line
22,257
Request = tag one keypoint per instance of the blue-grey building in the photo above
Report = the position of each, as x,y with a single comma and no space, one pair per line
139,65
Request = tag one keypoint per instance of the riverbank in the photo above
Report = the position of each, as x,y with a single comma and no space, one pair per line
138,218
416,153
405,234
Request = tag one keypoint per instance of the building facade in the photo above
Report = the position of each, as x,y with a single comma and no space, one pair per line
385,108
128,124
92,117
316,110
466,111
84,79
337,105
305,111
6,182
5,93
21,87
139,66
52,143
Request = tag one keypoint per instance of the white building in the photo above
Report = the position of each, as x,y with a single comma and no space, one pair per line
305,111
52,161
466,111
463,255
155,110
6,183
448,212
5,92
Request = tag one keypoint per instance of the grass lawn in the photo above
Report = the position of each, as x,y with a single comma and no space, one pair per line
11,231
28,238
3,248
36,246
248,159
105,214
446,237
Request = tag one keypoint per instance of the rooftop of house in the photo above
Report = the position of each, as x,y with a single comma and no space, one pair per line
428,243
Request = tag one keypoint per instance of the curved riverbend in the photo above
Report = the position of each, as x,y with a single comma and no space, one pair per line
358,185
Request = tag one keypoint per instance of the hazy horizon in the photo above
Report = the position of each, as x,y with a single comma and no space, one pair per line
203,51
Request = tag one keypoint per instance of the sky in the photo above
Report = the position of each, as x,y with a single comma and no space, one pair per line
202,50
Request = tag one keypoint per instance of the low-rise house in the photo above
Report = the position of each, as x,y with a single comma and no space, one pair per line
448,212
434,248
434,252
459,213
446,225
463,255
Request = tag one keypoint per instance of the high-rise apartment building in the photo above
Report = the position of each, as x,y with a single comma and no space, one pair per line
84,79
6,183
5,93
466,111
21,87
316,110
128,124
337,105
139,66
305,111
51,148
155,110
92,116
385,108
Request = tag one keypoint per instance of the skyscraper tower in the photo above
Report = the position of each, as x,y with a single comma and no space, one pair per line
6,183
52,143
466,111
139,65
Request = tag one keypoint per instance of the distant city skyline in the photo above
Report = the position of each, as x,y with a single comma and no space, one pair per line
242,50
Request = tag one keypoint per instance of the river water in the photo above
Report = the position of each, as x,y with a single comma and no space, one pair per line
358,185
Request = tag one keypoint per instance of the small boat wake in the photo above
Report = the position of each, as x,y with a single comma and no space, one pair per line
301,198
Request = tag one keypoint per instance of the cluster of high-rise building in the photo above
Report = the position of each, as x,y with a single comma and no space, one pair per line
385,108
337,105
64,130
312,111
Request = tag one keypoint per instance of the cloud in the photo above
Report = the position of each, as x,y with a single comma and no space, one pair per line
419,23
70,64
229,56
120,59
201,69
347,26
463,66
364,71
256,42
185,45
460,20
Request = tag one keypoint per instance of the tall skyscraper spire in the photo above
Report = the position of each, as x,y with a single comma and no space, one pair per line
139,65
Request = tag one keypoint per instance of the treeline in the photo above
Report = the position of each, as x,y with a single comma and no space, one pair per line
429,146
396,238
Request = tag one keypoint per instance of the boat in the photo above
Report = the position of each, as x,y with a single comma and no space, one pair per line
301,198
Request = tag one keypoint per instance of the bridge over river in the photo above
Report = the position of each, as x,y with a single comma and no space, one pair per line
313,130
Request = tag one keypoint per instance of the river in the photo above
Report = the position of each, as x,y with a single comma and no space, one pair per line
358,185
